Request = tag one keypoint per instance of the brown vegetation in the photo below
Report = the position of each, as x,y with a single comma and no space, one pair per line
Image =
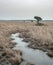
41,37
29,64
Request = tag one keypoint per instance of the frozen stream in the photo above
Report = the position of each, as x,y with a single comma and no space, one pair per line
35,57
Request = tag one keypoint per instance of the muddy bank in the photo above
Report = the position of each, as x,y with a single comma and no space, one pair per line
45,45
30,56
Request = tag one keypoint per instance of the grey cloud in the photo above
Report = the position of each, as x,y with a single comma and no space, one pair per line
18,9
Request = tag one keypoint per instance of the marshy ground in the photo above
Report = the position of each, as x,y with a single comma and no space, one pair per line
40,37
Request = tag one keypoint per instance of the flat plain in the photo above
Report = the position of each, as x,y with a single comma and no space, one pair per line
41,37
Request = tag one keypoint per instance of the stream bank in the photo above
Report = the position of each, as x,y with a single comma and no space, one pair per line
35,57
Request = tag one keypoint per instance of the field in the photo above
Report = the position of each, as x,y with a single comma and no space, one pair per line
41,37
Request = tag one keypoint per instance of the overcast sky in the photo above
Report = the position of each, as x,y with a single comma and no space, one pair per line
26,9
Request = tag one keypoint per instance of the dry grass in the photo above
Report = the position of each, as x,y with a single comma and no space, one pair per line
28,30
38,32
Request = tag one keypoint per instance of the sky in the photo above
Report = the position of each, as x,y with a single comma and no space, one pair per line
26,9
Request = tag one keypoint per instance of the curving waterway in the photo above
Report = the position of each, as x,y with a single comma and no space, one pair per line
36,57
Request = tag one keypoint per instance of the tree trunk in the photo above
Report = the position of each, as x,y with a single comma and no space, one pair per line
37,22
